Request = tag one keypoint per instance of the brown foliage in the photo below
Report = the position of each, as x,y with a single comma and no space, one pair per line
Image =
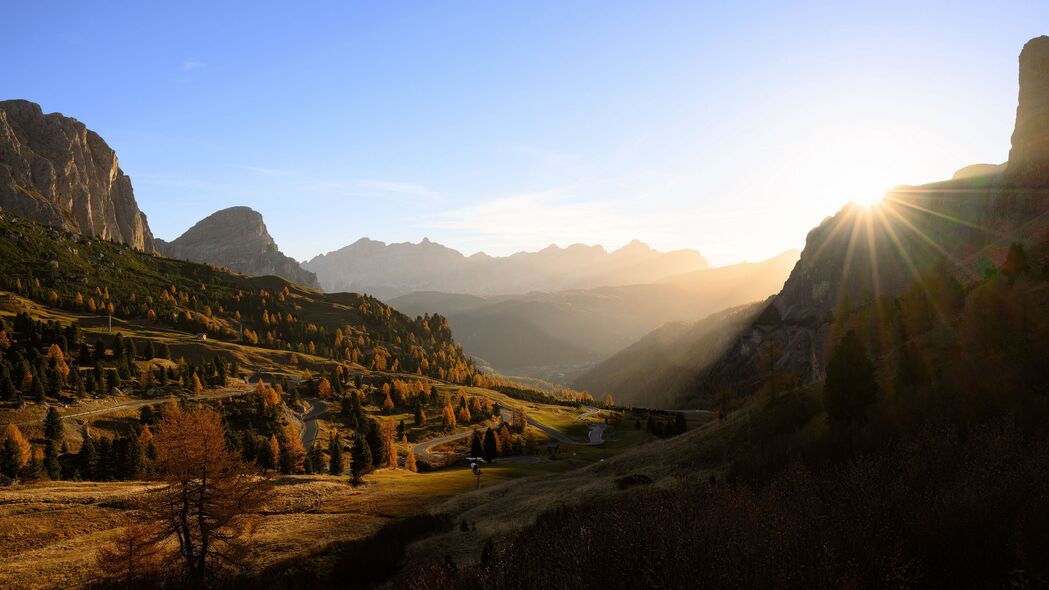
292,454
209,496
133,555
448,414
23,446
938,510
324,389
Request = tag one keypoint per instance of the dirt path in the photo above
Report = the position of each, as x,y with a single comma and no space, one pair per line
150,402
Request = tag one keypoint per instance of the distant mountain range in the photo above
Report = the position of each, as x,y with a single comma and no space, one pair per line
390,270
556,335
55,170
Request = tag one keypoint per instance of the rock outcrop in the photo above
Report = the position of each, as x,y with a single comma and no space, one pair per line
238,239
54,170
1029,155
978,170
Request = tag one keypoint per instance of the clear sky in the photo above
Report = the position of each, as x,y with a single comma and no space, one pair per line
728,127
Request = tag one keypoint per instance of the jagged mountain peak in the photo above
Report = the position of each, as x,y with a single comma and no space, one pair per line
237,238
390,270
635,246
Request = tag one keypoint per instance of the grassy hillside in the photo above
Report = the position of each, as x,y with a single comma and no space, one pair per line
660,369
93,277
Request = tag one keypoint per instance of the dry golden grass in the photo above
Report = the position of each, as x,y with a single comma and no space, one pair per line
50,532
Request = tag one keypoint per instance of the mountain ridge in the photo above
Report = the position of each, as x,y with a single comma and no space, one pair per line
395,269
237,238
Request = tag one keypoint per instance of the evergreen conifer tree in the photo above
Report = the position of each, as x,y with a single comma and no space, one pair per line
360,458
850,388
376,444
335,463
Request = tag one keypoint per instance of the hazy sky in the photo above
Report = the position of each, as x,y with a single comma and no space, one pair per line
502,126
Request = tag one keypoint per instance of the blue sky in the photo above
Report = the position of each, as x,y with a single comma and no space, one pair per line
731,128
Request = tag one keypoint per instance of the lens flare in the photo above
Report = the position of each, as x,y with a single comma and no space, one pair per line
868,200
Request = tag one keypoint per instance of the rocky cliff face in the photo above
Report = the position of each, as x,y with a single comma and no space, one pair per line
54,170
238,239
959,226
1029,156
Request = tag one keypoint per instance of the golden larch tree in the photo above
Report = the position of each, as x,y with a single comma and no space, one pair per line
324,389
292,453
209,496
448,414
133,555
22,446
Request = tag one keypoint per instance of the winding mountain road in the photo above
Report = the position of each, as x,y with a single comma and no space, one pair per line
422,450
317,408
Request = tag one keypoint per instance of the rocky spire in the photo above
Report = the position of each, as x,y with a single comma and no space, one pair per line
1029,156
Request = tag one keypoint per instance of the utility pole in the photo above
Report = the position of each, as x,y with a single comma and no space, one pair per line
110,323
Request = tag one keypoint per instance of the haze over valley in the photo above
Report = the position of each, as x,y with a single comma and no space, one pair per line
664,296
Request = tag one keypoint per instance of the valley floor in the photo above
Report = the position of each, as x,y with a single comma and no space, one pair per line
50,531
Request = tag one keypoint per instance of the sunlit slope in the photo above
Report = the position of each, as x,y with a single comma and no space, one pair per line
660,369
865,255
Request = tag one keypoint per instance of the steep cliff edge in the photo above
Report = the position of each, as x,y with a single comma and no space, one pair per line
1029,155
55,170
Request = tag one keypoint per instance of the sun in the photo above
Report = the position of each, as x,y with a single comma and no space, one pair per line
868,200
